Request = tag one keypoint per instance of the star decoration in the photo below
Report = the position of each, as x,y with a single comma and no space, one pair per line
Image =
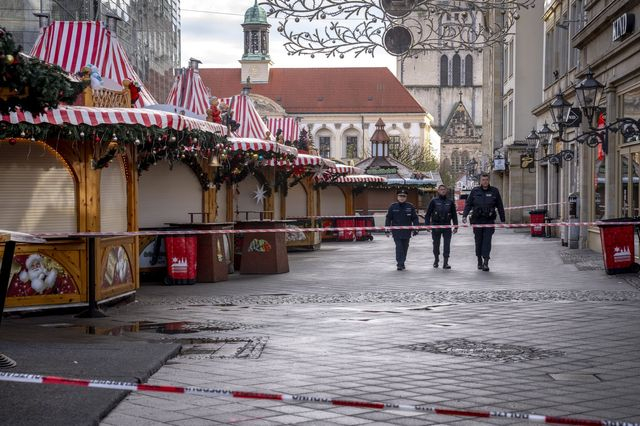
259,194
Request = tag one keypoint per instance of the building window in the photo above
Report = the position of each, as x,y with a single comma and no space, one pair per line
352,147
456,70
325,146
505,120
511,57
549,64
468,70
505,62
444,70
510,118
562,29
394,145
576,24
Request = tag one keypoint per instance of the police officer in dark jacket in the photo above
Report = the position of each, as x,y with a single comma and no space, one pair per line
441,211
401,214
482,202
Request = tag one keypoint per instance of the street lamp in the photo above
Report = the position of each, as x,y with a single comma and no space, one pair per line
537,143
588,93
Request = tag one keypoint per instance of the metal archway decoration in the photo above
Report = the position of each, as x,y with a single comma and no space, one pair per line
339,27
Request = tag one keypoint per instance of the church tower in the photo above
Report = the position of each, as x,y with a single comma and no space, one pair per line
447,82
256,60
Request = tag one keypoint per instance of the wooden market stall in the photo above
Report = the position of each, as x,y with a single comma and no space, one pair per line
73,170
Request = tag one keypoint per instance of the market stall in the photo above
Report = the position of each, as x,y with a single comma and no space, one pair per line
354,184
75,169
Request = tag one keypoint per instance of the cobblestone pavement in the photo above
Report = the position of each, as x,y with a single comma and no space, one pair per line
534,335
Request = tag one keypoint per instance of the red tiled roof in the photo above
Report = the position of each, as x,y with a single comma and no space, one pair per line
321,90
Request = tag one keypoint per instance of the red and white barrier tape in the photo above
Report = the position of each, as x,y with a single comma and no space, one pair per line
534,205
127,386
335,229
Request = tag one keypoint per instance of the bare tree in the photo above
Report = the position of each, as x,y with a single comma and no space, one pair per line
417,156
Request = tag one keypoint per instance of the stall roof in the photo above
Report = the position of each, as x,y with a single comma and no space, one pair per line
74,44
77,115
359,179
290,127
189,92
306,160
244,112
412,182
253,144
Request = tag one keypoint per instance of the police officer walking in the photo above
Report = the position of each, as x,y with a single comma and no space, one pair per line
441,211
401,214
482,202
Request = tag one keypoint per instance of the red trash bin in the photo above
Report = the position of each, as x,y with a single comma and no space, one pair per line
364,222
346,235
182,255
537,216
618,248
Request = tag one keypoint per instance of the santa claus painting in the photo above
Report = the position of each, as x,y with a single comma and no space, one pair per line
36,274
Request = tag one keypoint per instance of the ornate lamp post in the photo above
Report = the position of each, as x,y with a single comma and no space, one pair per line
536,143
588,93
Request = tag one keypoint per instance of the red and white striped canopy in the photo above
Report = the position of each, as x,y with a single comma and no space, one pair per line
252,144
189,92
77,115
74,44
244,112
360,179
289,125
343,169
305,160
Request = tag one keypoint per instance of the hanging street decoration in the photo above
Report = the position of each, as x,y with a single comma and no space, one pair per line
29,84
338,27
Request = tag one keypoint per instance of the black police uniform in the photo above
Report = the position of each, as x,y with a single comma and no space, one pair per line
482,203
441,211
402,214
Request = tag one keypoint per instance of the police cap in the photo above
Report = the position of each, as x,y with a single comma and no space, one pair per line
402,191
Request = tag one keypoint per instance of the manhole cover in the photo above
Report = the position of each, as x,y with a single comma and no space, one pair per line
232,347
484,350
575,377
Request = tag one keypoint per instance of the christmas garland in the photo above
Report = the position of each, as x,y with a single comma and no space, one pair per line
30,84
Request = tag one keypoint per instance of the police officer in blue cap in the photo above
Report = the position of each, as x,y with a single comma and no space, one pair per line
401,213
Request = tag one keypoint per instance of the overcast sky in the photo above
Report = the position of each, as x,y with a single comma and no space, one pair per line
215,37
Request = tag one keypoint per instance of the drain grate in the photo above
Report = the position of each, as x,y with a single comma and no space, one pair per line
484,350
232,347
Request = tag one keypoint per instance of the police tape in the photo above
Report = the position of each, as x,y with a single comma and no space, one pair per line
210,392
296,229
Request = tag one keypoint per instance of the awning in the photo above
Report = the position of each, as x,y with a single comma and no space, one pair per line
360,179
244,112
343,169
411,182
305,160
289,125
189,92
78,115
252,144
73,44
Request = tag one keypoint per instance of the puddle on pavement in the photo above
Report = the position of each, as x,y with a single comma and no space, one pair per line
180,327
432,307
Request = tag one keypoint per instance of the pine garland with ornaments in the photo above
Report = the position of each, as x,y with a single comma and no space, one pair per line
29,84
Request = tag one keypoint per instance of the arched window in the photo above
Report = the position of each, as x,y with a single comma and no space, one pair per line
456,70
444,70
455,161
468,70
